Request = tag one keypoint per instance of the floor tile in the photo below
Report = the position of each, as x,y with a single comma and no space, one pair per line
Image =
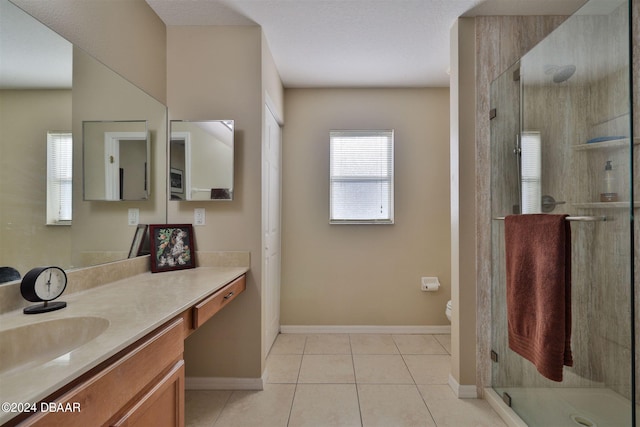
267,408
429,369
283,368
381,369
325,405
393,405
449,411
418,344
202,407
328,344
314,380
373,344
322,369
289,344
445,341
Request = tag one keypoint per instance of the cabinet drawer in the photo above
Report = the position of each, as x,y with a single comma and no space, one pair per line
206,308
113,388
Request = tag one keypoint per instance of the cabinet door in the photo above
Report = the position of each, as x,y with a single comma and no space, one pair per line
162,406
105,394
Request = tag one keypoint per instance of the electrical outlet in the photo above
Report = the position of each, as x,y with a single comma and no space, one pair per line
199,216
134,216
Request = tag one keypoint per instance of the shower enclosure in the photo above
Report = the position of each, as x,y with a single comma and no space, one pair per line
562,142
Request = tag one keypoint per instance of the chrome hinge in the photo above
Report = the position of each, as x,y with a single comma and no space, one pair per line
506,398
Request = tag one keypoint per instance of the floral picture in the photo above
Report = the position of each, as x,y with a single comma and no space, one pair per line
172,247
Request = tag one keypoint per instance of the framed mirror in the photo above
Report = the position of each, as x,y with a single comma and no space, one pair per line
201,160
115,160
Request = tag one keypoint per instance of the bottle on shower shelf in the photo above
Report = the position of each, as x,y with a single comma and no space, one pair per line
608,192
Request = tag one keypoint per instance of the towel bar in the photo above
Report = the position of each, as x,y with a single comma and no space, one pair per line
573,218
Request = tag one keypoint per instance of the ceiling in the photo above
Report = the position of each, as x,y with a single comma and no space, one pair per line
354,43
315,43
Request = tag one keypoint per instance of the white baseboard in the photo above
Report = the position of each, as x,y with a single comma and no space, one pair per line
463,391
364,329
221,383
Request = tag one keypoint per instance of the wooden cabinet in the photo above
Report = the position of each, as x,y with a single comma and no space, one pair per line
143,385
124,390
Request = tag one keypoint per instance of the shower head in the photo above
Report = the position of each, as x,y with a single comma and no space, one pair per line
564,73
560,73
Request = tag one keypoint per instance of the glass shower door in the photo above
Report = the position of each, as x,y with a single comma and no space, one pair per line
572,96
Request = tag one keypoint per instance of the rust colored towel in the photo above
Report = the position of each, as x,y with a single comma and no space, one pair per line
538,252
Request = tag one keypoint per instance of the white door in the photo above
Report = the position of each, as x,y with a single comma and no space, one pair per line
271,179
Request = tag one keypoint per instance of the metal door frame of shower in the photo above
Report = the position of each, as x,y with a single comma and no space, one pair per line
631,217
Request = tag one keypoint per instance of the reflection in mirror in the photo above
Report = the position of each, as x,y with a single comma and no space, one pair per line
201,160
115,160
36,101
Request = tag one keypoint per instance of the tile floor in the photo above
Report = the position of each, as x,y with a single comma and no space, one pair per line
347,380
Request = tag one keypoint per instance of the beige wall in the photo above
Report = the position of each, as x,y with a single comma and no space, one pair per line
25,118
365,274
463,205
217,73
127,36
273,90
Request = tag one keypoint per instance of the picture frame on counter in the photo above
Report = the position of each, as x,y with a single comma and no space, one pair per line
140,243
172,247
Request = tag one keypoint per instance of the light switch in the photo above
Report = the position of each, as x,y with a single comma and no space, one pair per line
134,216
199,216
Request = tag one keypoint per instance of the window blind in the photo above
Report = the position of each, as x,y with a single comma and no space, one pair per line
59,177
361,177
531,172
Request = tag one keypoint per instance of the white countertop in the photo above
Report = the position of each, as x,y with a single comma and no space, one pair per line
134,307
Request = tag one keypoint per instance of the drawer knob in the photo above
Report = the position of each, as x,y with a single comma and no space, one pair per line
229,295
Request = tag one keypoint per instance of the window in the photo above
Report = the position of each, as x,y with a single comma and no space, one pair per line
361,175
531,172
59,177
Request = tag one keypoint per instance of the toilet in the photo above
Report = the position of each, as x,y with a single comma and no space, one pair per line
448,310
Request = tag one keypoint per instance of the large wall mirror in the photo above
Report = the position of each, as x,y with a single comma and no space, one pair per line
201,160
41,103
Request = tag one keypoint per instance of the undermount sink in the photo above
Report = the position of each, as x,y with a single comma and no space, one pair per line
38,343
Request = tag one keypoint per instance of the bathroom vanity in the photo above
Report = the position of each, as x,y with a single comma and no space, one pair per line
115,354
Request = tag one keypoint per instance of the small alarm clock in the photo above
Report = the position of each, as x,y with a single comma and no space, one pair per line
43,284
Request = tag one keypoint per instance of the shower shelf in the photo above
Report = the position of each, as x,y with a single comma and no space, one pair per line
616,143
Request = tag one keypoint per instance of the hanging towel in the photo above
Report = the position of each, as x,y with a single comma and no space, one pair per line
538,265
